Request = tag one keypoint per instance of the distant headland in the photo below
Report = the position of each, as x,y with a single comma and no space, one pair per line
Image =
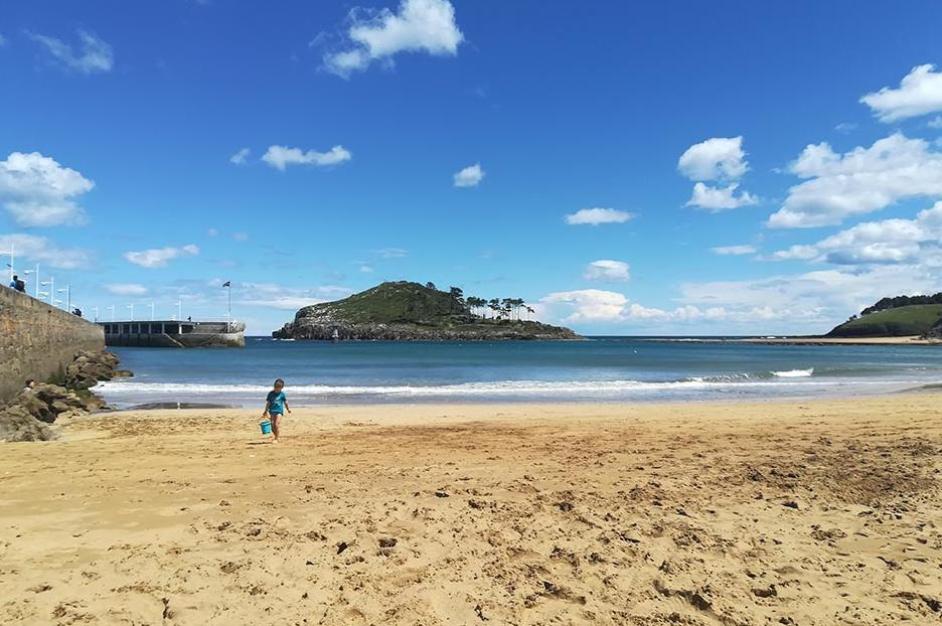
896,317
409,311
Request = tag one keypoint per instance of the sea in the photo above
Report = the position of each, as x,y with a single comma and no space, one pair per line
600,369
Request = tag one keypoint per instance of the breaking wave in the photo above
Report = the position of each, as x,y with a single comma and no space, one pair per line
794,373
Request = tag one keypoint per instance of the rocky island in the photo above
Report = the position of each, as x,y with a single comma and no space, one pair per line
408,311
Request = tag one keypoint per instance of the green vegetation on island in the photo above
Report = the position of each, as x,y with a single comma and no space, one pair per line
896,317
409,311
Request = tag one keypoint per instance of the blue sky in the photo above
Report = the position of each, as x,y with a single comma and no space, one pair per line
629,168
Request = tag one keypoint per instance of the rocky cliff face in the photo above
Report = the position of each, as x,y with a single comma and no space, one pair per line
404,311
324,329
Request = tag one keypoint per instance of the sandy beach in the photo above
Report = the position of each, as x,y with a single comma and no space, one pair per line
802,513
906,340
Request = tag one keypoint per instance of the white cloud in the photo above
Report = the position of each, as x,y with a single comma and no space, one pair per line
240,236
37,191
812,301
3,41
595,306
798,252
860,181
90,56
716,158
919,93
213,232
716,199
891,241
240,157
596,216
159,257
607,269
470,176
41,250
737,250
280,157
280,297
392,253
936,122
845,127
126,289
419,26
719,158
588,305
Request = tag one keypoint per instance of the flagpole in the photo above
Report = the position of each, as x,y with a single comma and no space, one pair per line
228,286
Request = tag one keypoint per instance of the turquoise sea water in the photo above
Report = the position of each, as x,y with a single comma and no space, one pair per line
600,369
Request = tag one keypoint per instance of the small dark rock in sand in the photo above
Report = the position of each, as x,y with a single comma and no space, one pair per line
343,545
565,507
441,494
387,542
790,504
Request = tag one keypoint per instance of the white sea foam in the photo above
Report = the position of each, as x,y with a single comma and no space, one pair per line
497,388
794,373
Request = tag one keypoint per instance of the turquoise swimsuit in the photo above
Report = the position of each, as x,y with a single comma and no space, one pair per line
276,402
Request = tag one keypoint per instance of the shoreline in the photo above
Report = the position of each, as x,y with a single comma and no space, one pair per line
909,340
733,512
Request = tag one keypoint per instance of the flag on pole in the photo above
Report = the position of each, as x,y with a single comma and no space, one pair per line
228,283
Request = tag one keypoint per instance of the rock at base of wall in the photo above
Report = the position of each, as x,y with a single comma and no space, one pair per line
16,424
26,418
88,368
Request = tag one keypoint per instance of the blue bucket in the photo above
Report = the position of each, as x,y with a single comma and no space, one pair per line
266,427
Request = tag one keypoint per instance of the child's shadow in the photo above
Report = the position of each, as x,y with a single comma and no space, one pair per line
258,443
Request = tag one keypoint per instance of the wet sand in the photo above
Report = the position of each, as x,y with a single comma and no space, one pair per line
800,512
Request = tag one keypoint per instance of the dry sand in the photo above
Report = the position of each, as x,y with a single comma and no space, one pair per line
824,512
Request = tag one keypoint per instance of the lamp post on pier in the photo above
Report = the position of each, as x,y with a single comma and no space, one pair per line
51,283
68,292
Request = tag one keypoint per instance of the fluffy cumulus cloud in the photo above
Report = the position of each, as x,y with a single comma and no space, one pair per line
241,157
159,257
716,199
596,216
585,305
42,250
713,159
126,289
90,55
418,26
597,306
737,250
863,180
37,191
892,241
716,159
470,176
280,157
606,269
919,93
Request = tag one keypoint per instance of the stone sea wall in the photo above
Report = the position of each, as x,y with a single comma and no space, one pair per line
38,341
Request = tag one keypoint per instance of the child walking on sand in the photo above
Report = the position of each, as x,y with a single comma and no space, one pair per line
275,405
